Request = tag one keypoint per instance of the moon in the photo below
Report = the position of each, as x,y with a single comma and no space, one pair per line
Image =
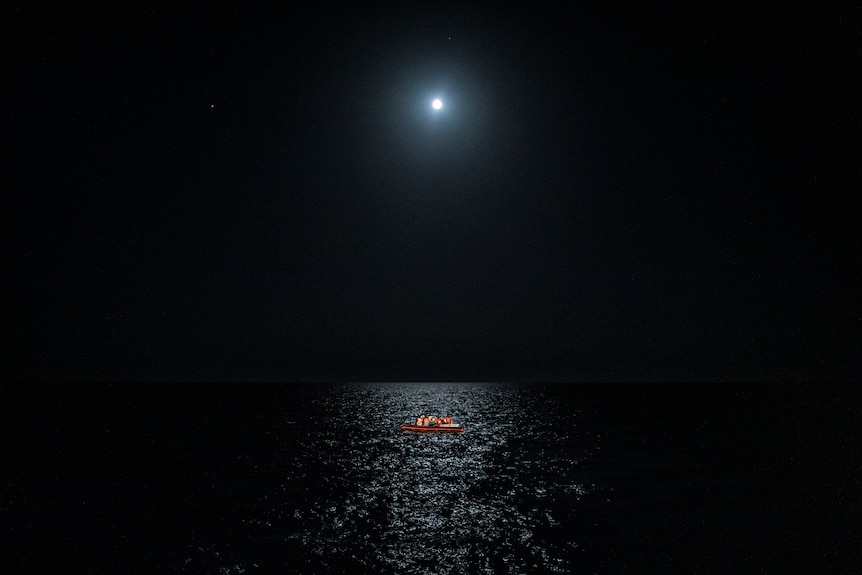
437,104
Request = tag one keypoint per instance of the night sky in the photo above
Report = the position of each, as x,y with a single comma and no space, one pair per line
266,193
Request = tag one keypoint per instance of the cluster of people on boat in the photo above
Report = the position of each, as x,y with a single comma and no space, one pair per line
432,420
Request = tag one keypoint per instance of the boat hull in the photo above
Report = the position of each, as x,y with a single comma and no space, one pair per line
451,428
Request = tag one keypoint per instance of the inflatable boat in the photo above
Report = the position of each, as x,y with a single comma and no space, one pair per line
438,428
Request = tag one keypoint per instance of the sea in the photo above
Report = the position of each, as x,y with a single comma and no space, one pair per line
319,478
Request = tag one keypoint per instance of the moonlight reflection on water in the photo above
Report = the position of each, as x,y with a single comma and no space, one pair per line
449,501
360,492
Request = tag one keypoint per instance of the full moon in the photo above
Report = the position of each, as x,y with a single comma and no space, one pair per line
437,104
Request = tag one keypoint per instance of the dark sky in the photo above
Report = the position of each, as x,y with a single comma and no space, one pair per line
266,193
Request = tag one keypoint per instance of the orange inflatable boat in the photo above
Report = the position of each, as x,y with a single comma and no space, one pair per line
433,424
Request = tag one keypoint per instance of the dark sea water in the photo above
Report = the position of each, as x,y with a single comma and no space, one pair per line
230,479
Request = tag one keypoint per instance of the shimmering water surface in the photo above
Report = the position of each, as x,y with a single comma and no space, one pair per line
320,479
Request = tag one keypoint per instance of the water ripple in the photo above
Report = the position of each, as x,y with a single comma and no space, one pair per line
355,491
